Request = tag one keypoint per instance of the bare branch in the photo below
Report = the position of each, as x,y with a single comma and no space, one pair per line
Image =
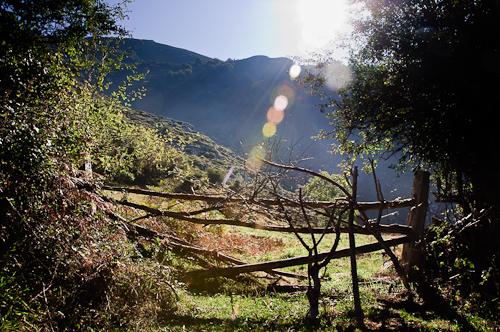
365,206
378,189
304,170
335,244
309,226
232,271
292,227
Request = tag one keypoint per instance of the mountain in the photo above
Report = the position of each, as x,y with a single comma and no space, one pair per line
228,101
148,50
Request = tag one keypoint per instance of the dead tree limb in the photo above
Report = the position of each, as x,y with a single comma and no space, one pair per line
266,266
395,261
174,243
387,229
365,206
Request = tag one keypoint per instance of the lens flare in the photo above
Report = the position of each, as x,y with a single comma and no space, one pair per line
280,103
252,164
283,90
269,129
286,91
294,71
275,116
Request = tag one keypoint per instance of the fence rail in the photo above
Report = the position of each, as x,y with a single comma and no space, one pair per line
412,250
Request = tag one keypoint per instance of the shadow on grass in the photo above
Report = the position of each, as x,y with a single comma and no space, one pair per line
442,308
189,323
433,306
391,315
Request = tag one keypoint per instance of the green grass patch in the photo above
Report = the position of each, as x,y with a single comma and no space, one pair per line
243,304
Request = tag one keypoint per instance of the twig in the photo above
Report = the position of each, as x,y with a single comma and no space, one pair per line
378,189
304,170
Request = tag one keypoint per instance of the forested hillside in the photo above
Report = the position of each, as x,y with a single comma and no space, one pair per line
227,100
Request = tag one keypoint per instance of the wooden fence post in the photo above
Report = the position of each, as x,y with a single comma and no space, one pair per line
413,255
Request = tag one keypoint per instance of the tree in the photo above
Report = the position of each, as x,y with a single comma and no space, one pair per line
42,63
53,55
310,219
422,86
48,73
424,78
321,191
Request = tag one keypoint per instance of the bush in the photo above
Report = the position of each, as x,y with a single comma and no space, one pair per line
465,258
215,176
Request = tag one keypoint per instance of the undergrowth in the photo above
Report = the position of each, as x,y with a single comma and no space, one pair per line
99,277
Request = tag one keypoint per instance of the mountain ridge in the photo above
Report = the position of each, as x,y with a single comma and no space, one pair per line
149,50
228,101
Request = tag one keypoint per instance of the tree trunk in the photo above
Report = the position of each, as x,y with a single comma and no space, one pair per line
413,255
314,290
352,251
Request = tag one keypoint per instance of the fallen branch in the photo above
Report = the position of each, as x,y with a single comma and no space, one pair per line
133,230
387,229
365,206
233,271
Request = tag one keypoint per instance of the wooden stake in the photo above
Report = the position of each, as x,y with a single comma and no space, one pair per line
352,250
413,252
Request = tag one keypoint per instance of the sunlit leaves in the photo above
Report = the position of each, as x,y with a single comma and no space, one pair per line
417,72
44,110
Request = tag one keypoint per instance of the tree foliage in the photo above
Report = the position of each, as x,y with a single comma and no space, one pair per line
43,101
320,190
422,83
424,76
49,70
126,152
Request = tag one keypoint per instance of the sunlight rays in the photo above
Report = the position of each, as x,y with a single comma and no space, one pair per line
308,26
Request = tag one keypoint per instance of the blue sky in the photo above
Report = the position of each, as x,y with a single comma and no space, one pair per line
238,29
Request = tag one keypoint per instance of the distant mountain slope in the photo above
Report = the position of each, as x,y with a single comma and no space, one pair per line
228,100
209,153
148,50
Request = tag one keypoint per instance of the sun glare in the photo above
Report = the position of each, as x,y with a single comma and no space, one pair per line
322,21
303,27
312,25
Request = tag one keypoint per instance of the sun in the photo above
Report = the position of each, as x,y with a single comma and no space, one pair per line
322,22
310,26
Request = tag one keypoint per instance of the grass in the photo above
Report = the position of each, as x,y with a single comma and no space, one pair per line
386,304
243,304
